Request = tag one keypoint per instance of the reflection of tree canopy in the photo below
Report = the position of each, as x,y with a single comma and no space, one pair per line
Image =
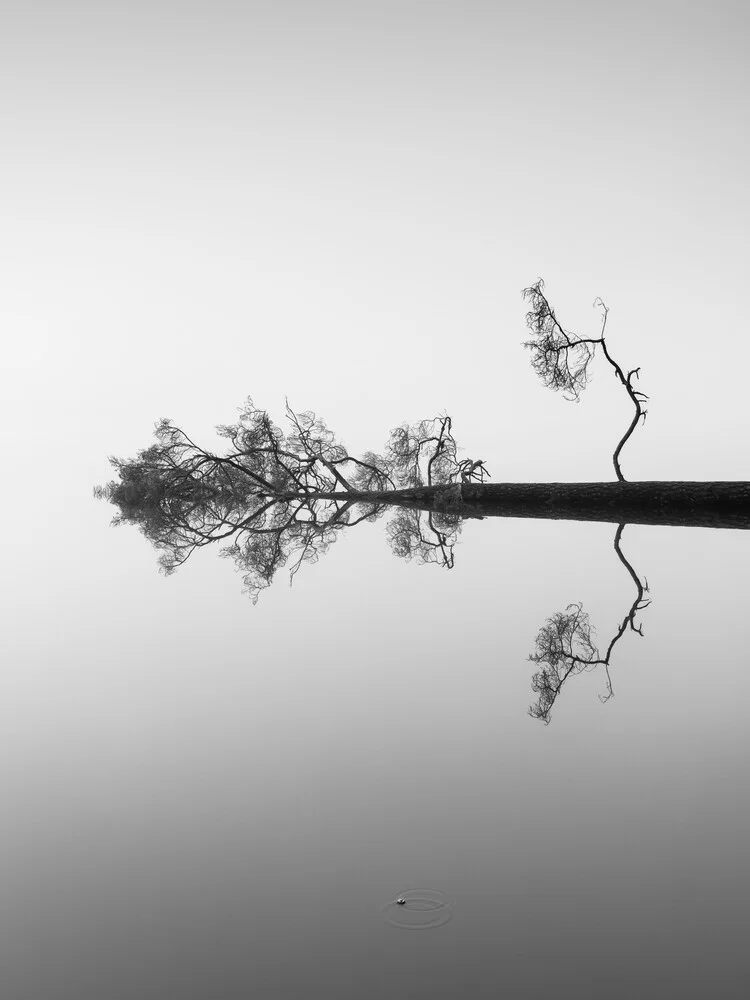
565,645
281,497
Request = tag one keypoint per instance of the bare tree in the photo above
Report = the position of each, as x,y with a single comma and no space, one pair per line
562,360
278,498
565,645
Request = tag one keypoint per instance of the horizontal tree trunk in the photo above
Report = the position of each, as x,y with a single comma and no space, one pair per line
706,505
703,505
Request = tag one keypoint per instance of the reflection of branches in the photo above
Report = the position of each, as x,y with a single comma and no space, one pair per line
565,645
427,537
561,359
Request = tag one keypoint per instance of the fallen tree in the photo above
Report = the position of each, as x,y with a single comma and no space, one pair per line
278,497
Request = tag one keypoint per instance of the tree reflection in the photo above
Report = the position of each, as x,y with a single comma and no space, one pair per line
565,645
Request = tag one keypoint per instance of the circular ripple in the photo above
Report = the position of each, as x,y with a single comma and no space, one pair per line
422,908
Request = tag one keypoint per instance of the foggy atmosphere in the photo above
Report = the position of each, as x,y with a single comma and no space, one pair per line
376,579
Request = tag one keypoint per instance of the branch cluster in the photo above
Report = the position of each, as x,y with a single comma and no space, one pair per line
559,359
279,498
564,645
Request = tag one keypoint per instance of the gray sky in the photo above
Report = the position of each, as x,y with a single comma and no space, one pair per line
340,203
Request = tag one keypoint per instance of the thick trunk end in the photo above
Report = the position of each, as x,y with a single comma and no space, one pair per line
707,505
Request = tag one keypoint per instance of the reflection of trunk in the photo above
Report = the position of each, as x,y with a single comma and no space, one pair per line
707,505
639,604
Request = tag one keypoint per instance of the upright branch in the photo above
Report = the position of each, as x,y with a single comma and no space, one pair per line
277,497
565,645
562,359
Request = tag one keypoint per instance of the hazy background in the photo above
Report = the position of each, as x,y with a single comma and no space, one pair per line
340,203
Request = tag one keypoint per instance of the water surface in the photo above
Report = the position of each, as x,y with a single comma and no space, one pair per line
228,800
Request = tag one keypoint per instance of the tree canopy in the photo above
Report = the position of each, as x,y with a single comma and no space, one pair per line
562,360
281,496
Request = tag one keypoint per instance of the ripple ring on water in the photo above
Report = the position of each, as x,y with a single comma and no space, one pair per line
417,909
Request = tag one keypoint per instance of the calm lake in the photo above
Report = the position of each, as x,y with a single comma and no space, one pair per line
226,800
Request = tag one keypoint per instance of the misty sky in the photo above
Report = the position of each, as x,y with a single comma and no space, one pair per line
340,203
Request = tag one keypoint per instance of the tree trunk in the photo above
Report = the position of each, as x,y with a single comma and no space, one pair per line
700,505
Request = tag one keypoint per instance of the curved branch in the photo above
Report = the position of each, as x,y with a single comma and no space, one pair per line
627,382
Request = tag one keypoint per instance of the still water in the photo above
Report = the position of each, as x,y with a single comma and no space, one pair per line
216,800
